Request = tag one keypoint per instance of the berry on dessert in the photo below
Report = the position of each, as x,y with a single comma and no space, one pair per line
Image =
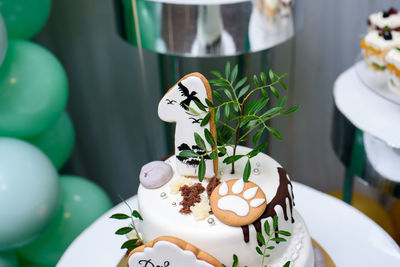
387,18
376,45
393,67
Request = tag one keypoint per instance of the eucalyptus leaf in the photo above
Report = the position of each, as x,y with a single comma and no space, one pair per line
206,119
247,171
227,69
259,251
130,244
278,239
271,75
263,78
271,247
231,159
188,154
217,115
283,85
257,150
217,96
274,132
271,112
200,105
240,83
209,137
234,74
216,73
264,93
274,91
255,80
136,214
228,93
209,103
260,238
287,264
243,91
282,102
290,110
202,169
119,216
257,136
285,233
199,141
226,111
275,223
235,261
267,228
213,155
123,230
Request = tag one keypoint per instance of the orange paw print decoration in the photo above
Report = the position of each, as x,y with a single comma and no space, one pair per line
237,203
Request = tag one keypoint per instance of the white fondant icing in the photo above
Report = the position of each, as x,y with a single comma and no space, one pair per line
221,240
166,254
223,189
172,108
238,186
155,174
235,204
250,193
374,39
392,21
393,57
256,202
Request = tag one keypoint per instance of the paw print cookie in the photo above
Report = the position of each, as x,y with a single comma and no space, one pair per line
237,203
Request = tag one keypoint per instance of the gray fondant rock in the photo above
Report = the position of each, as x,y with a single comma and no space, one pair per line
155,174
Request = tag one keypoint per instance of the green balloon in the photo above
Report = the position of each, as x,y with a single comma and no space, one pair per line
8,259
24,18
82,203
57,141
33,90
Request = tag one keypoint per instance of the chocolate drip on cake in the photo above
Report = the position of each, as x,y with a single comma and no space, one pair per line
279,200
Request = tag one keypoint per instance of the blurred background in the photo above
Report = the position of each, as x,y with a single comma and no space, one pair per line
106,87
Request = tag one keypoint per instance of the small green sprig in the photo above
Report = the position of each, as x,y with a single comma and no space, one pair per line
241,116
271,235
132,243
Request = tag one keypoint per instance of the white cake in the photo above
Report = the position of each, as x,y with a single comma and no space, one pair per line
393,62
161,218
389,18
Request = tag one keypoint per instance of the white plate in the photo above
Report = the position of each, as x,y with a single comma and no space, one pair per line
376,81
350,238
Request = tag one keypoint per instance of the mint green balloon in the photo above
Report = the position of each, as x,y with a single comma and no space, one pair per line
33,90
29,193
24,18
8,259
57,141
82,203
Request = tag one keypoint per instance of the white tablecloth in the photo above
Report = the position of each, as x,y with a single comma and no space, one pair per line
366,110
350,238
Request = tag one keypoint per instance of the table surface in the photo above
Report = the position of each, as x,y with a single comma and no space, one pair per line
350,238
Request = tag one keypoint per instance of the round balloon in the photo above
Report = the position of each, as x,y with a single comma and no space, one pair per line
372,209
8,259
57,141
29,192
24,18
82,203
3,39
33,89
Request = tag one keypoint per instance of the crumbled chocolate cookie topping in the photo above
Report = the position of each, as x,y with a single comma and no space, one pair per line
214,182
191,196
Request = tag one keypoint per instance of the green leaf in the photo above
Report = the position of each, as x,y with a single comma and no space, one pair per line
200,105
287,264
123,230
285,233
209,137
243,91
278,239
136,214
259,251
257,150
247,171
224,134
264,93
119,216
260,238
275,223
235,261
274,132
271,247
231,159
271,112
217,96
130,244
283,85
257,136
205,120
234,74
188,154
261,103
271,75
274,91
199,141
267,228
216,73
217,115
255,80
282,102
227,69
228,93
226,111
213,155
202,169
290,110
209,103
240,83
236,106
222,151
263,78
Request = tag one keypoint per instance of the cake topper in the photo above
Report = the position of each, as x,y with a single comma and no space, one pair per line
192,92
243,115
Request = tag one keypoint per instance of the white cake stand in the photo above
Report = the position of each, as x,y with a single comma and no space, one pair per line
348,236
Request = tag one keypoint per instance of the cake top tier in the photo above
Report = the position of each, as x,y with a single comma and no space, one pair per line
380,41
387,18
